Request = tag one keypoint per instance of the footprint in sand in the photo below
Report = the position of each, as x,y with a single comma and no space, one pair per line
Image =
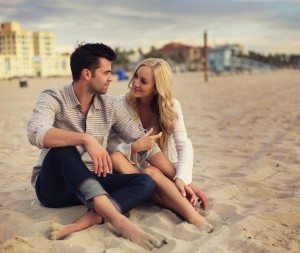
227,212
187,232
18,244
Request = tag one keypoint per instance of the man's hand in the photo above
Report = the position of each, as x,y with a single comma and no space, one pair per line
200,194
101,160
145,142
186,191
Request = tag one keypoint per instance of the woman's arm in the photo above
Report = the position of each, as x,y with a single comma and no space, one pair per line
184,148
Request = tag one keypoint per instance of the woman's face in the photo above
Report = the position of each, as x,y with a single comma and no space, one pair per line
143,83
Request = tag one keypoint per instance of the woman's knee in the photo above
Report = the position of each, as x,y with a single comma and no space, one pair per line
153,172
116,156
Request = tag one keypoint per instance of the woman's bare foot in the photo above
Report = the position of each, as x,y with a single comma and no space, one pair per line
203,225
58,231
132,232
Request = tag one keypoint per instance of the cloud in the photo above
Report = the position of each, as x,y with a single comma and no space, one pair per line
134,23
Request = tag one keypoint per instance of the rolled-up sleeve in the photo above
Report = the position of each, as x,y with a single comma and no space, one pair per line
42,118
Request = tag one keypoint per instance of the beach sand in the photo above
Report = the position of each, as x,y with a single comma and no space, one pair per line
246,135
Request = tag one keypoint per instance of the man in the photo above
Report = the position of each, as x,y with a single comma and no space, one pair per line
70,124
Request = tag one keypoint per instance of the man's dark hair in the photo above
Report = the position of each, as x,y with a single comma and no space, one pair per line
86,56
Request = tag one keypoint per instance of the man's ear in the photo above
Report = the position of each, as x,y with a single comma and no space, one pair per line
86,74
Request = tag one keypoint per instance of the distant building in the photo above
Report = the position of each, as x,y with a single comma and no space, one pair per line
221,57
231,57
25,53
16,50
182,57
44,54
62,64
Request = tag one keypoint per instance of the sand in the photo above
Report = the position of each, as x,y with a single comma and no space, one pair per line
246,135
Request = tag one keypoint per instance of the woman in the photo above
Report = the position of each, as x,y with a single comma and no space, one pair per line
151,105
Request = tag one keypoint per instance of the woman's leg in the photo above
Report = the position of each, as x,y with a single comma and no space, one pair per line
170,197
161,162
122,165
167,193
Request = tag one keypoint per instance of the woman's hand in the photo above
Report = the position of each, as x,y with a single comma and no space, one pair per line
186,191
200,194
145,142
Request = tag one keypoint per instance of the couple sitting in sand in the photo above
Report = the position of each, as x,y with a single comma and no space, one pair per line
147,147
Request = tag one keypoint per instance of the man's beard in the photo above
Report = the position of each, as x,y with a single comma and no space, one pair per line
97,91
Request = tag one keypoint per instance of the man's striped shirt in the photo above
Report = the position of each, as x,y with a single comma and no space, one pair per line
60,108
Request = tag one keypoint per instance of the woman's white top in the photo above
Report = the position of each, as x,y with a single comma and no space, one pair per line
177,148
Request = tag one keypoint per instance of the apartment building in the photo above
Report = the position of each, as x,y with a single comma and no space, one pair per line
25,53
44,54
16,50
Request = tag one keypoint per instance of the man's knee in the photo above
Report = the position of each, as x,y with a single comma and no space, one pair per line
63,150
61,154
147,183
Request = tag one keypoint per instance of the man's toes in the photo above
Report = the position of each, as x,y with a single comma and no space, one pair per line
53,235
55,226
54,230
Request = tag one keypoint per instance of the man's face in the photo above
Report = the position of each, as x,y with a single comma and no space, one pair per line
101,78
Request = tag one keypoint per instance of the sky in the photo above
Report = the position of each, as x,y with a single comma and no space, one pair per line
263,26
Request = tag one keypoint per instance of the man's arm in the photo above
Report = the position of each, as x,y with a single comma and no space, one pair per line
42,134
56,137
43,117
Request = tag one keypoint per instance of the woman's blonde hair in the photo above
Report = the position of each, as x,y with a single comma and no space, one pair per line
162,101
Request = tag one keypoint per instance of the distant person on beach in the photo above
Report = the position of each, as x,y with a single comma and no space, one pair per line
151,105
23,82
69,125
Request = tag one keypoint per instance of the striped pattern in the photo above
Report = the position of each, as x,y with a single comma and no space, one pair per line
60,108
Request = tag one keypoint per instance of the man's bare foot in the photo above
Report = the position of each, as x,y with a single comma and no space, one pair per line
132,232
58,231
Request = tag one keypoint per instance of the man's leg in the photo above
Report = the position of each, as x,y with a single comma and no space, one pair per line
122,224
64,178
65,165
126,192
58,231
